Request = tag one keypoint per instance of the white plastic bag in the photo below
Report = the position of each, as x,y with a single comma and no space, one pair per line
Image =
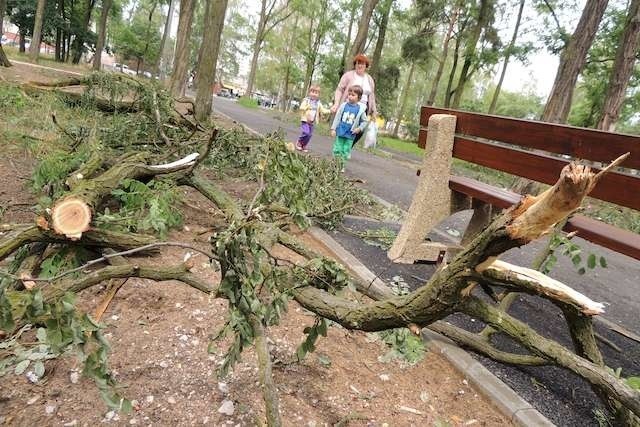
371,136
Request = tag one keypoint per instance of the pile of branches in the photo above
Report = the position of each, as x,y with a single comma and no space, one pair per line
292,191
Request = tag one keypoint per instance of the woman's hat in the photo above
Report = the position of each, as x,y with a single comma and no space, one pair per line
360,58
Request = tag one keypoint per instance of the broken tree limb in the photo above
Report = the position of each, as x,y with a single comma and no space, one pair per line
94,238
269,390
533,282
71,215
547,348
179,272
476,343
75,97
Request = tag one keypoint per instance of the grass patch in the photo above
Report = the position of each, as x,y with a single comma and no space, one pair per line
245,101
47,60
400,145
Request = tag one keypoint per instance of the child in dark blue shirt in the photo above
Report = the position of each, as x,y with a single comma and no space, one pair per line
350,120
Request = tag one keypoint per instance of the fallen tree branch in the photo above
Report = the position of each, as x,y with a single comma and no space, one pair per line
23,234
547,348
269,390
536,283
180,273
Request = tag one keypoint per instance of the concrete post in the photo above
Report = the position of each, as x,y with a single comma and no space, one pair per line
432,199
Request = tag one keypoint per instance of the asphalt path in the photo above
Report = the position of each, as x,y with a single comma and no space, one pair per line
560,395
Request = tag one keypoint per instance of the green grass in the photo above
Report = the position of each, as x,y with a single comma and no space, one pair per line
400,145
46,60
245,101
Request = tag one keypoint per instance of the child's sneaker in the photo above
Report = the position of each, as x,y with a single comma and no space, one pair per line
304,150
298,146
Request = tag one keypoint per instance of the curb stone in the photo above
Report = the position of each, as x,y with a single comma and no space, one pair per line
501,395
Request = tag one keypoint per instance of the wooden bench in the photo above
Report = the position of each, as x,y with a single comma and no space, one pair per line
534,150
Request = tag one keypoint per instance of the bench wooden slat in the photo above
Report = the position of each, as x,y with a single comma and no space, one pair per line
598,232
614,187
590,144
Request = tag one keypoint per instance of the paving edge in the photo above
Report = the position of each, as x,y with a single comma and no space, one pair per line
501,395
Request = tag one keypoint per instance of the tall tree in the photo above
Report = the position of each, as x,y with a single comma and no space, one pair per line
4,61
284,101
272,12
442,59
82,32
181,61
352,6
320,18
102,33
507,56
34,49
626,56
572,61
384,12
363,29
163,56
485,16
206,74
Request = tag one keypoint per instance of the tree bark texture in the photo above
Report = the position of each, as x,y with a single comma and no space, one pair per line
507,56
165,35
206,75
572,61
181,62
484,15
4,61
102,34
626,54
34,49
363,29
385,11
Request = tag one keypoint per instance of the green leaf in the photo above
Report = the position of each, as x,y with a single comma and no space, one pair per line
603,262
591,261
581,270
633,382
38,368
324,360
21,367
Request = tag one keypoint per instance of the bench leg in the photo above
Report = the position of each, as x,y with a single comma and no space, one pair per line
432,198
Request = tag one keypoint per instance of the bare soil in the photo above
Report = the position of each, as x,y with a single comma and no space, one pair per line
159,333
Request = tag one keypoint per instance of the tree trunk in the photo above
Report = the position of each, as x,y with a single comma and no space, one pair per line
181,62
572,61
404,97
385,11
470,49
161,64
445,54
80,37
102,33
148,34
622,69
257,47
285,90
22,45
496,93
206,74
34,49
315,39
347,42
363,28
4,61
452,73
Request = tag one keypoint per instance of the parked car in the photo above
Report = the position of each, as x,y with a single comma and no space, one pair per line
123,68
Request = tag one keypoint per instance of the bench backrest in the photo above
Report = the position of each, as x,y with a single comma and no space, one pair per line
538,151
